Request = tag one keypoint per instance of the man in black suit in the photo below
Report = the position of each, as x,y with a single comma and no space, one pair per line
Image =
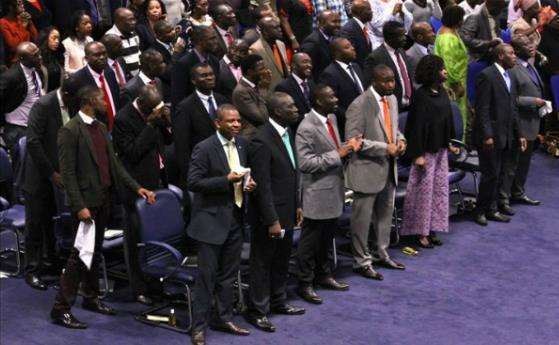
165,43
299,85
216,178
230,68
344,76
356,30
225,22
392,54
276,211
152,66
204,40
113,44
47,115
494,130
194,119
317,44
90,172
97,73
140,134
20,87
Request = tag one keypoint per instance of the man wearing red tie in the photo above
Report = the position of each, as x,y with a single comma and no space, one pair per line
225,21
97,73
356,30
113,44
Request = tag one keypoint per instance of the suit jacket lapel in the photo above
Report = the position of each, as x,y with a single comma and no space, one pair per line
221,153
320,128
270,54
377,111
298,90
202,110
279,142
87,138
501,79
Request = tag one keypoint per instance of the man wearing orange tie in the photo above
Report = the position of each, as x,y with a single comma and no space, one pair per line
371,172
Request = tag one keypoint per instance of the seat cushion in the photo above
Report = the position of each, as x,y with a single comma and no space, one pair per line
14,217
164,267
455,176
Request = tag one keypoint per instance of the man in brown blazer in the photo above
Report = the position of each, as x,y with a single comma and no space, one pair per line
272,49
249,94
90,172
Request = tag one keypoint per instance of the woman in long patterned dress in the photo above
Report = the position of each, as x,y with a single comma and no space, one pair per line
449,46
429,129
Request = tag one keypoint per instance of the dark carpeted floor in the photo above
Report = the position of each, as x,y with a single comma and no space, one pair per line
495,285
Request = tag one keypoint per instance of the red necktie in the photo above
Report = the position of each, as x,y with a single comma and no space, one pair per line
366,34
119,75
229,38
107,98
332,133
405,76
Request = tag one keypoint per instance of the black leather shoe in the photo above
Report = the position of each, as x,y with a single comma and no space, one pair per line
368,272
229,327
429,245
308,294
506,209
333,284
97,306
435,240
389,263
497,217
288,309
66,320
260,322
525,200
144,300
480,219
35,281
198,338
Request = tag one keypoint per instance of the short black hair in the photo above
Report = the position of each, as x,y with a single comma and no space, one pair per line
161,25
427,70
198,32
86,94
317,91
147,55
199,65
223,108
452,16
390,27
250,62
75,20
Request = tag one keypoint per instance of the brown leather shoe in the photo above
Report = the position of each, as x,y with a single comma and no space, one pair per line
198,338
308,294
368,272
229,327
333,284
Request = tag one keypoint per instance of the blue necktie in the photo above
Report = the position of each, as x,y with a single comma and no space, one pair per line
507,79
211,108
355,78
533,75
287,143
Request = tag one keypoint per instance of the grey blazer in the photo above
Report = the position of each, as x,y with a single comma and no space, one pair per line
262,48
368,169
414,54
322,175
476,32
528,92
252,107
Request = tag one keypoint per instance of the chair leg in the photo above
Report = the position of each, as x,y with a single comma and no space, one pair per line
105,277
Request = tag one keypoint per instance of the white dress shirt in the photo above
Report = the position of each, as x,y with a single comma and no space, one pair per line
249,83
20,115
345,67
206,100
382,13
96,77
145,79
502,71
323,119
281,130
86,118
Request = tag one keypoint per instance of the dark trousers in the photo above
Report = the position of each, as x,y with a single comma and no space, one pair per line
131,239
11,136
492,164
269,264
75,271
218,265
515,172
522,168
312,253
40,242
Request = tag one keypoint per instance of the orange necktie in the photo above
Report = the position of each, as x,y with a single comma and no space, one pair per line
277,58
387,119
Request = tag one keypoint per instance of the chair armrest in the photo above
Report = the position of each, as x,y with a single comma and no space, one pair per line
180,260
4,204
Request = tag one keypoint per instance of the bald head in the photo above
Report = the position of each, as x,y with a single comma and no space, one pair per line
113,43
504,55
29,55
148,98
125,20
271,29
96,56
301,65
330,22
423,33
361,9
523,46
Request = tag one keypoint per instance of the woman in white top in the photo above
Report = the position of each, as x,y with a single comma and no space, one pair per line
199,16
74,57
384,11
423,10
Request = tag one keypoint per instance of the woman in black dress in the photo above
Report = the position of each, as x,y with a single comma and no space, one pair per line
52,52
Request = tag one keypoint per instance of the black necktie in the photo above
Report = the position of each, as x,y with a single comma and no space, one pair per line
355,78
211,108
306,91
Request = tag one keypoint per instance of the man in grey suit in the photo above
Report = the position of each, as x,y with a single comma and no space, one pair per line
372,172
248,95
480,32
424,37
320,153
529,101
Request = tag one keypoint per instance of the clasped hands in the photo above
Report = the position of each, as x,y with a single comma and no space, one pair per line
235,177
398,149
354,144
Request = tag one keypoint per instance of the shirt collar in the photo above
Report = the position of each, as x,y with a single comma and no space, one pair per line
522,62
201,57
145,79
377,96
324,34
422,48
321,117
135,105
223,140
226,60
86,118
110,62
360,23
281,130
27,70
389,48
343,64
297,78
166,45
251,84
220,30
93,73
500,68
202,96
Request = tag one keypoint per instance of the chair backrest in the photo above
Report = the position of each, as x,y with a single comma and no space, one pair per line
506,35
474,68
436,24
176,191
457,119
402,120
555,90
161,221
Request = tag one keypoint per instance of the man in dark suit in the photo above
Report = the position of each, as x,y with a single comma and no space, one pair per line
204,40
152,66
113,44
90,172
299,85
276,211
477,32
20,87
424,37
216,177
344,76
317,44
225,23
356,30
494,131
392,54
194,119
97,73
140,134
529,101
47,115
230,68
165,43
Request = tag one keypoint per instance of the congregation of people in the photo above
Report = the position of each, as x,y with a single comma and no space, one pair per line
265,115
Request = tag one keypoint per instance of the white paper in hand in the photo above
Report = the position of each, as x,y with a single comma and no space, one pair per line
85,242
546,109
